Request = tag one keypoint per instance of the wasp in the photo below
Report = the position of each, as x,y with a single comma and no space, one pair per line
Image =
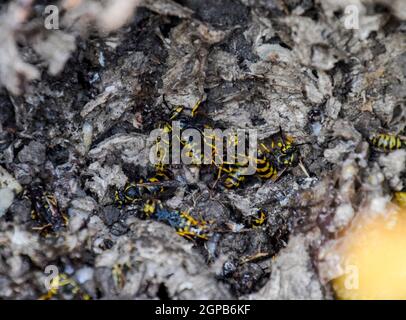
235,175
134,192
193,151
163,152
289,157
178,110
387,142
45,210
150,207
183,121
284,152
184,224
191,228
265,168
258,219
282,142
63,281
167,127
273,158
178,114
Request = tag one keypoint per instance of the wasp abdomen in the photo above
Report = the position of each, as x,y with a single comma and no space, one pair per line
386,142
235,176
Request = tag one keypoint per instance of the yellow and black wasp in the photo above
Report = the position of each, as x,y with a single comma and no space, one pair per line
234,166
183,122
178,114
178,111
184,224
235,176
258,219
284,153
283,150
45,210
387,142
274,157
63,283
265,168
135,192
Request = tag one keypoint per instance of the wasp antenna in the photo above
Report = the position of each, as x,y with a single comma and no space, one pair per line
165,102
279,175
302,144
195,107
283,137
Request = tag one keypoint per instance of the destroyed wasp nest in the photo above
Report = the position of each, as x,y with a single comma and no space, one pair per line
77,106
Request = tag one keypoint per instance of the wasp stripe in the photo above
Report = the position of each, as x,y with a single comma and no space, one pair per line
386,142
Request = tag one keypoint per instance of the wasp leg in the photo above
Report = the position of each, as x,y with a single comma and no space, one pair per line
42,228
257,256
195,107
185,234
276,178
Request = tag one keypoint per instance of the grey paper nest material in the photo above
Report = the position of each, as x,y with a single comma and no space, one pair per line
77,106
159,258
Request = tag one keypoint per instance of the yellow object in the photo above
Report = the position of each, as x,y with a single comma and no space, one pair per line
61,281
400,198
195,107
374,256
